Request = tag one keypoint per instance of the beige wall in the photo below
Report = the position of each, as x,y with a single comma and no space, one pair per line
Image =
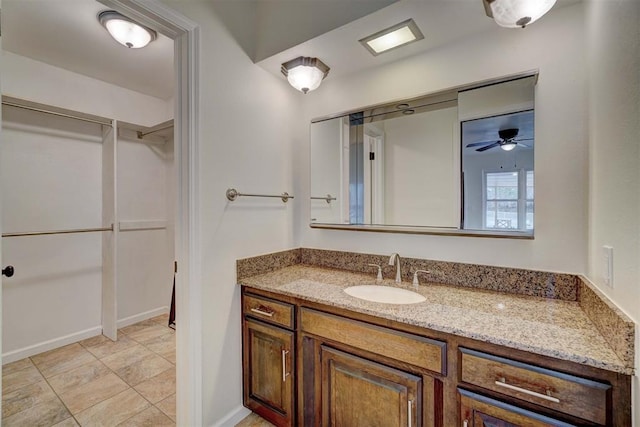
36,81
555,46
614,147
422,169
246,142
51,180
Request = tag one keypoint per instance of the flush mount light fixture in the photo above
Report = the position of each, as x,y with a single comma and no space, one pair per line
516,13
305,74
125,31
393,37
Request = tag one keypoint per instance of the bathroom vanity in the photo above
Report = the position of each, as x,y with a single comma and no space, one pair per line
314,355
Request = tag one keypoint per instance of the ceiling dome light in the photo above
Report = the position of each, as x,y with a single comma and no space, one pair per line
125,31
516,13
508,146
305,74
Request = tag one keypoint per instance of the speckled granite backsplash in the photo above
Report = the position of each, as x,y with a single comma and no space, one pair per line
261,264
615,326
617,329
501,279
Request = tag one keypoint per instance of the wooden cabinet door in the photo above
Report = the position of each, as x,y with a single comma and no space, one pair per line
268,357
481,411
360,393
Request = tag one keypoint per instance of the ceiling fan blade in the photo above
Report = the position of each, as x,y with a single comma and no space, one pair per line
475,144
524,145
522,139
495,144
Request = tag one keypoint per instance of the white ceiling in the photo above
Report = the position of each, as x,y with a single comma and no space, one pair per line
66,34
441,21
264,28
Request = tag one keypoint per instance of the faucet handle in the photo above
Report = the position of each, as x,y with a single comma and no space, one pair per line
379,276
392,259
416,282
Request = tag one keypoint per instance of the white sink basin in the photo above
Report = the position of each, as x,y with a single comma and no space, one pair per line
385,294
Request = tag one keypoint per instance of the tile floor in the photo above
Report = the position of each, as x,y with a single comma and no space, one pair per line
254,420
97,382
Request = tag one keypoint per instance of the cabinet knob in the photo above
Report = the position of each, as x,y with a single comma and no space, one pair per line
8,271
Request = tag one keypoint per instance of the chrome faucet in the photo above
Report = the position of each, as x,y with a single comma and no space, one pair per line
395,259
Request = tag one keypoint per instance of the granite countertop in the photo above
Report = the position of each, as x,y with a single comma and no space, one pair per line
549,327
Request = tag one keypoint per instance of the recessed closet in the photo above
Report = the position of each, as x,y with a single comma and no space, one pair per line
88,199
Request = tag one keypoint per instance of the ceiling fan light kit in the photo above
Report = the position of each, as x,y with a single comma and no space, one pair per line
507,141
516,13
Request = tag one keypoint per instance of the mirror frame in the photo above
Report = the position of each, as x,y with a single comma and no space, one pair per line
401,229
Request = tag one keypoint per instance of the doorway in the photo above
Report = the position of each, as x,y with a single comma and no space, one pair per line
185,36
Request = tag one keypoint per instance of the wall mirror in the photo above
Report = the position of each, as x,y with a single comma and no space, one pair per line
455,162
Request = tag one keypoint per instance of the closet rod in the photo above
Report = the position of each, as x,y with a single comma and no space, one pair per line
56,113
143,134
70,231
328,198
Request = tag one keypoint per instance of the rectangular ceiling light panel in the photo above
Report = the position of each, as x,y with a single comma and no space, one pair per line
390,38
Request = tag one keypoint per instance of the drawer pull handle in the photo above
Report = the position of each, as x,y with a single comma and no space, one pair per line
409,412
285,374
263,311
503,383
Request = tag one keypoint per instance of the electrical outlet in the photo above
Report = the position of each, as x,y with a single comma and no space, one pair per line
607,272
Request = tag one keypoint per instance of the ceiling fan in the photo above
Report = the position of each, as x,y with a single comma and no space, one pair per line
507,141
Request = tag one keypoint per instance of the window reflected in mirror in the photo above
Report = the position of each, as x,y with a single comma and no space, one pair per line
497,170
497,146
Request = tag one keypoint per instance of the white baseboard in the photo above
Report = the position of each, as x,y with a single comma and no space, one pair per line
142,316
34,349
233,418
31,350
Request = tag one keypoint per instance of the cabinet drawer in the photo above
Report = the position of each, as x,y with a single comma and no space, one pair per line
478,410
572,395
418,351
268,310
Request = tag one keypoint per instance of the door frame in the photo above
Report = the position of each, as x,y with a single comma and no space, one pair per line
185,34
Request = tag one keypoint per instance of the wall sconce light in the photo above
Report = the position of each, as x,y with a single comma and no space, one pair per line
305,74
125,31
390,38
516,13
